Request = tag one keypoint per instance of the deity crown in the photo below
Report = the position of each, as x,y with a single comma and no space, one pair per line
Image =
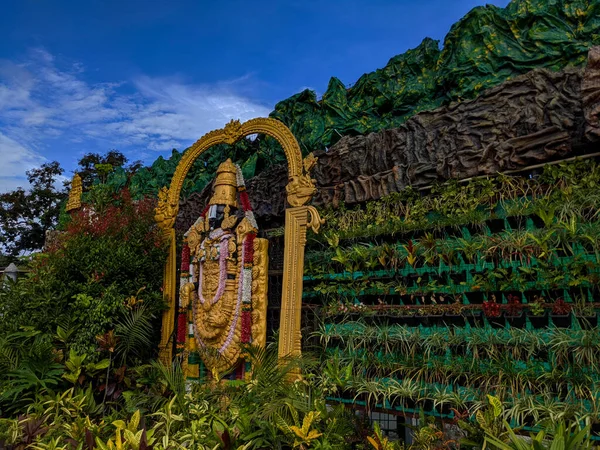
225,185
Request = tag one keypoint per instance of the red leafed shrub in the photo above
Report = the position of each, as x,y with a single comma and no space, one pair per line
124,219
491,309
514,306
561,308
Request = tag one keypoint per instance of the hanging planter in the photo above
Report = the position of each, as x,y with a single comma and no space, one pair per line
538,320
561,320
561,314
428,320
474,317
496,322
587,322
456,320
458,277
516,320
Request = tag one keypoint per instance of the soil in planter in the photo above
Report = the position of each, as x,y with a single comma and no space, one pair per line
429,320
353,317
458,350
541,355
538,322
452,231
531,295
408,299
416,235
410,404
443,409
411,279
474,229
554,294
440,278
427,405
561,321
596,429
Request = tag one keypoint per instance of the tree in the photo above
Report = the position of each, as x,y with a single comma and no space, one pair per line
94,165
26,215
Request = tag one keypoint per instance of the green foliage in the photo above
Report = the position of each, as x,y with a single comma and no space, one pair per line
85,281
26,215
27,368
558,436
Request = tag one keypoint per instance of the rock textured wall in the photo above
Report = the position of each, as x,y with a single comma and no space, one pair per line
534,118
537,117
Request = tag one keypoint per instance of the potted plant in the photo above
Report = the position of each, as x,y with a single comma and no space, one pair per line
514,312
429,316
453,315
474,317
585,313
537,313
404,316
492,312
561,313
481,283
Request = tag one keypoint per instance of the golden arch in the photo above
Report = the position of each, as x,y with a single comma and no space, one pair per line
300,189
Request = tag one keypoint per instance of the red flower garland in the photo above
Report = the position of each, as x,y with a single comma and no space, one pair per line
181,327
246,326
185,258
204,211
249,248
245,201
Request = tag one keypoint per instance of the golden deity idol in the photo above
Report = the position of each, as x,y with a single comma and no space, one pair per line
224,279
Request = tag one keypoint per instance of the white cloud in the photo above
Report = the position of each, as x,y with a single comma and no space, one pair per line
16,160
42,101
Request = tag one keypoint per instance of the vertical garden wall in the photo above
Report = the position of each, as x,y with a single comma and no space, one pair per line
433,299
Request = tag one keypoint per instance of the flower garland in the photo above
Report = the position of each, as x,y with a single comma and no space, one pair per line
184,279
244,299
247,260
223,255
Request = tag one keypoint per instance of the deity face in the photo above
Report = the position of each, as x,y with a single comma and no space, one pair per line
219,215
215,222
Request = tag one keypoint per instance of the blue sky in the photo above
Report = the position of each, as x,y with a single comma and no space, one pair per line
146,76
